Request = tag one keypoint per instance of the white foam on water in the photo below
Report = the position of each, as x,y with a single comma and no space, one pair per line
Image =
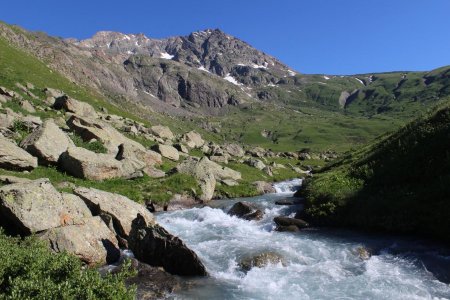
288,187
316,266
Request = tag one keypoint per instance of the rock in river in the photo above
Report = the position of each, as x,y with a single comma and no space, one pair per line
246,211
152,244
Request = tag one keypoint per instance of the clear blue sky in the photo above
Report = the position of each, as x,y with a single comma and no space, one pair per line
314,36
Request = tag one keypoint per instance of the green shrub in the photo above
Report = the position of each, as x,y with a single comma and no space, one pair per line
28,270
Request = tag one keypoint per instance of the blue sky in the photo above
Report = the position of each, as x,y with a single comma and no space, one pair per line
314,36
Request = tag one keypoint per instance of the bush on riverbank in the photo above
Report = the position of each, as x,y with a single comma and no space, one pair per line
28,270
400,183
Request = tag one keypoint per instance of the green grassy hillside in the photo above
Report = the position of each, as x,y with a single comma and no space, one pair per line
398,184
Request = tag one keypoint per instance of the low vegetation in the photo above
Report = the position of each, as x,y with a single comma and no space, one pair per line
397,184
28,270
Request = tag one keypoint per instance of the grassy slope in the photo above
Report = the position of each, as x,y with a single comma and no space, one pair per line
399,183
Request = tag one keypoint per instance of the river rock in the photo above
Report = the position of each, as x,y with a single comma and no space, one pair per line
152,244
152,283
261,260
168,152
163,132
246,211
35,206
74,106
91,241
122,210
286,221
290,201
47,143
14,158
192,139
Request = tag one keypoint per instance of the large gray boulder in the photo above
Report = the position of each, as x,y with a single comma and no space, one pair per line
122,210
206,172
82,163
168,152
234,150
91,241
90,128
34,206
192,139
14,158
199,167
74,106
47,143
163,132
153,245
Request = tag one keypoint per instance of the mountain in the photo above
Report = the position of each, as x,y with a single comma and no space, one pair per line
209,71
397,184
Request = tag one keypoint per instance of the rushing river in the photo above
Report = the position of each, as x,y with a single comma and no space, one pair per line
318,264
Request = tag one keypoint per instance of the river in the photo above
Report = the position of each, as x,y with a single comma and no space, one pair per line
318,263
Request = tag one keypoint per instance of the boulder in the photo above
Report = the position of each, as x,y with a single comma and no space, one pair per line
89,128
207,183
82,163
246,211
154,172
219,159
74,106
182,148
264,187
195,166
35,206
206,172
260,260
152,244
163,132
122,210
234,150
91,241
290,201
14,158
9,179
192,139
257,152
152,283
286,221
47,143
26,105
256,163
167,152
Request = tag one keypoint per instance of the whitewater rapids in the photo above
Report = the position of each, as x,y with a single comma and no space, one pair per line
319,264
